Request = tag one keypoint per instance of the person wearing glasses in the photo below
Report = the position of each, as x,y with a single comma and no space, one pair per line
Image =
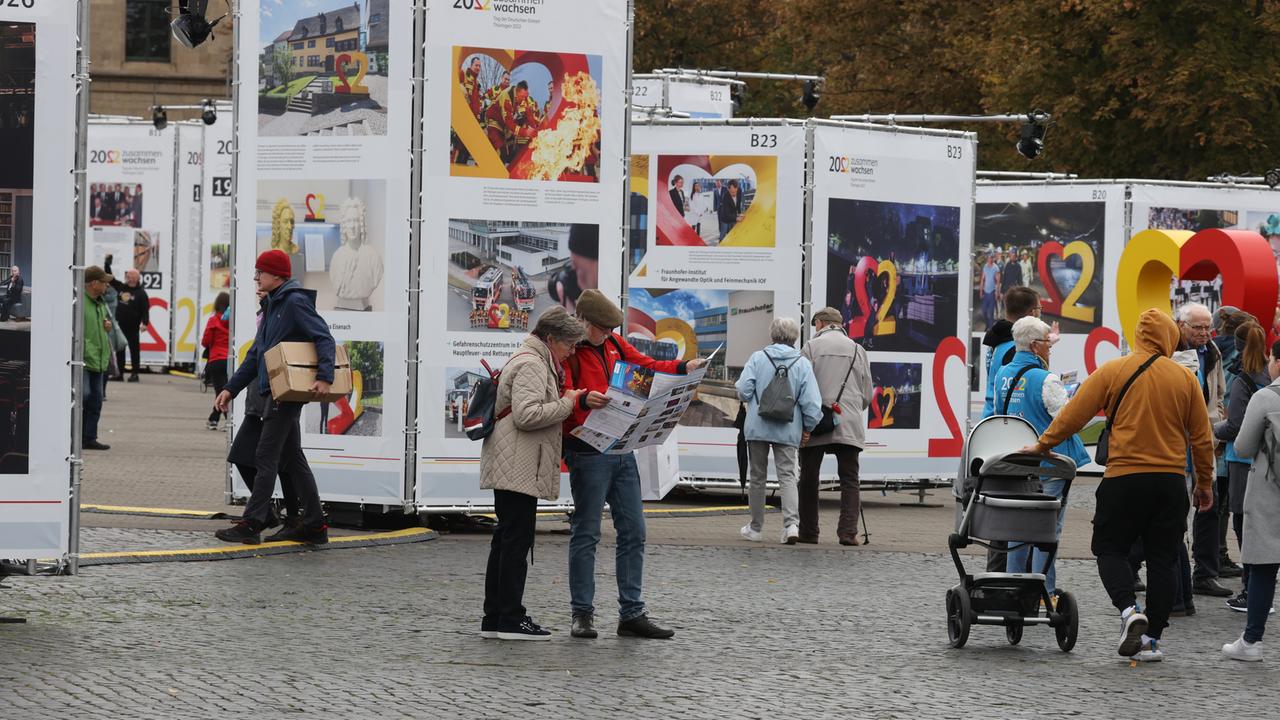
1201,355
1026,388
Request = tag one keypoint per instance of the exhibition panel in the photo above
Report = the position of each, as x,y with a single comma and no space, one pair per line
892,229
216,210
523,209
130,219
323,140
38,59
188,180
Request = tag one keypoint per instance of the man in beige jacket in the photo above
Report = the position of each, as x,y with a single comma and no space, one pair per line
844,378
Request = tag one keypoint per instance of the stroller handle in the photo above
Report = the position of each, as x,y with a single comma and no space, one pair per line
1013,504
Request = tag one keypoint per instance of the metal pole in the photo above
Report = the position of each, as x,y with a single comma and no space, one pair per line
626,156
414,294
737,75
806,243
235,218
1014,175
173,249
77,320
893,118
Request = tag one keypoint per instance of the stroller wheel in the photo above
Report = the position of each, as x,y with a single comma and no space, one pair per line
959,616
1013,633
1070,627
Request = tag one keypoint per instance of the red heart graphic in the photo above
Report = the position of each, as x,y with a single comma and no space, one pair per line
1053,303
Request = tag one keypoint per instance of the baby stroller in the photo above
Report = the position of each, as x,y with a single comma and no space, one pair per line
999,498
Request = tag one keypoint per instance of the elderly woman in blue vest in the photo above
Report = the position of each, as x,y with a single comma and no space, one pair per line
781,361
1026,388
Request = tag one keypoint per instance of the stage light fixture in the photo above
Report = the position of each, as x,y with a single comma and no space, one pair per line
1271,177
1031,138
191,27
812,94
159,117
209,113
737,96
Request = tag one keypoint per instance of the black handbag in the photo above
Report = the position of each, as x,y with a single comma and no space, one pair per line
827,424
1102,453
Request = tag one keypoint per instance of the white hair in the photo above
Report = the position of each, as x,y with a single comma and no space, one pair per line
784,330
1028,330
1185,310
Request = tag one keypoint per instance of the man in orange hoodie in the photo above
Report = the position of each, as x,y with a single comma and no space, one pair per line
1143,492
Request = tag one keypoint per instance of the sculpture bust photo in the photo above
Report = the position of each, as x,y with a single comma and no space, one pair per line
356,269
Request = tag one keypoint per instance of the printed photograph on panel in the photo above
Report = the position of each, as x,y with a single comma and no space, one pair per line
322,68
525,115
1054,248
893,271
1205,292
895,401
360,412
679,324
334,232
504,273
17,138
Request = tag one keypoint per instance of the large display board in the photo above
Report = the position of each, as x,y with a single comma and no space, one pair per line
714,254
216,209
892,214
1063,240
37,222
694,96
129,216
523,178
324,107
187,255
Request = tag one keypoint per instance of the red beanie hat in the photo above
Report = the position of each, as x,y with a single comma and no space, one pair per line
275,262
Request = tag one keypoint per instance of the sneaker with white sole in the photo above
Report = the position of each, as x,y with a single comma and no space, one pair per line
752,535
488,629
526,630
1243,650
1132,625
1149,651
790,534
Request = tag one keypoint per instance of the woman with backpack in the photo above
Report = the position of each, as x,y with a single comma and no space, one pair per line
783,405
1250,372
1259,438
520,462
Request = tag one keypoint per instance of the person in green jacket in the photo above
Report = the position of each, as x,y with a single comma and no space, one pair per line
97,350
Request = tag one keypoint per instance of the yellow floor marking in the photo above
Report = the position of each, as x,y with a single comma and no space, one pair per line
222,550
148,511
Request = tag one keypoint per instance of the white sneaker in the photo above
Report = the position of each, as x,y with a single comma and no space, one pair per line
1149,651
1243,650
1132,625
790,534
752,535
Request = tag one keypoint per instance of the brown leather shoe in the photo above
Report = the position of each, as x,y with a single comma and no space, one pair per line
849,541
807,541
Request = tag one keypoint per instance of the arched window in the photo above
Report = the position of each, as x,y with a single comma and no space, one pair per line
337,24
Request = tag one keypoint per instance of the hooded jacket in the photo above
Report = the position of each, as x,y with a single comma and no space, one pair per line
756,376
1000,339
1163,411
289,316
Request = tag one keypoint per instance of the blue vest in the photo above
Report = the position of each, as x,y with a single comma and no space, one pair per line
995,362
1026,401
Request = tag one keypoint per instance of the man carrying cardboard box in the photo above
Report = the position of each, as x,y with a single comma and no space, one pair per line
289,316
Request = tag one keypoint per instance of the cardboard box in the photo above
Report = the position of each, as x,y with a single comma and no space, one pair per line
291,369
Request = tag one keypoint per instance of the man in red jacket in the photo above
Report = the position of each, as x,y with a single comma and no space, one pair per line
595,478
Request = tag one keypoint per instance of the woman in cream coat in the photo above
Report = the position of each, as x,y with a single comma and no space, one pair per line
520,462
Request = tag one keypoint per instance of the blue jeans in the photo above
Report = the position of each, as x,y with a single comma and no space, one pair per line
1017,561
95,388
595,479
725,227
989,308
1262,591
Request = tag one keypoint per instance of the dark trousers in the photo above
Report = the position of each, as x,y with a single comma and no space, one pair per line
280,445
6,306
512,540
1237,521
135,350
93,390
1263,580
1223,504
1147,506
1204,542
850,499
216,372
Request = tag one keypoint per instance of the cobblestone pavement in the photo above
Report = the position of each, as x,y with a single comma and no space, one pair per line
763,632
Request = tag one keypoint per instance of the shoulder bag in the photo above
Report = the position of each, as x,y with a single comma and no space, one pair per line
1102,453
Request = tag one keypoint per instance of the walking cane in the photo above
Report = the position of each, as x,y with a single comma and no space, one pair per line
866,533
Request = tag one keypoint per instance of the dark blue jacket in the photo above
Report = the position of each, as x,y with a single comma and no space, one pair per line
289,316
